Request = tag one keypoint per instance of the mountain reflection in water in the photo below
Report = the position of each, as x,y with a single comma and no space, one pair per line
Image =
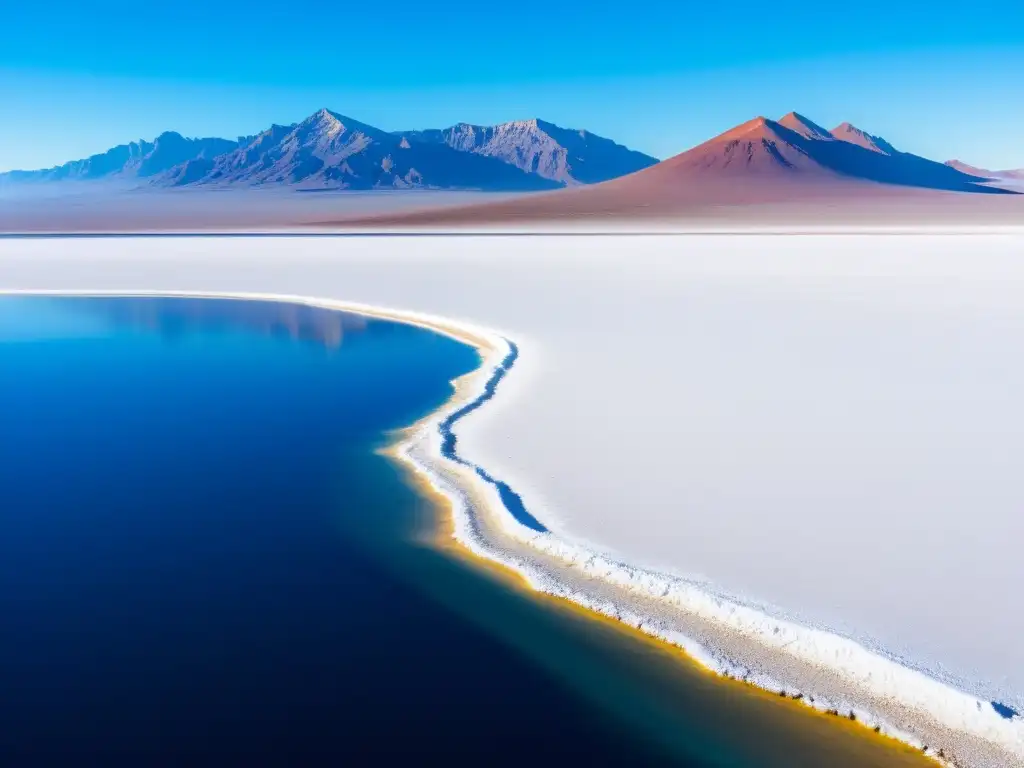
174,317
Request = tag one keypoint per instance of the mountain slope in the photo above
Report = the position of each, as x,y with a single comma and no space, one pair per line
536,146
854,135
138,159
797,150
758,148
804,127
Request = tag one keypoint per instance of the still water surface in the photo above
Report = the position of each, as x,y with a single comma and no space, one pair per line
204,561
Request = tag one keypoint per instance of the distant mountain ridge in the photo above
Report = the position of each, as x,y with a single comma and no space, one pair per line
137,159
1016,174
328,150
567,156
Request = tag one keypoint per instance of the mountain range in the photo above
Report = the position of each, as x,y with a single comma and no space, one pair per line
760,162
328,150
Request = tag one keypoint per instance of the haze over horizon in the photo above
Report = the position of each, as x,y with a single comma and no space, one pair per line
942,84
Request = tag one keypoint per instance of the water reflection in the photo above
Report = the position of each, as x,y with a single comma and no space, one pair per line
29,319
174,317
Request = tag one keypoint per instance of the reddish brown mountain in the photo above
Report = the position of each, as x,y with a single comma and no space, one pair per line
758,147
798,150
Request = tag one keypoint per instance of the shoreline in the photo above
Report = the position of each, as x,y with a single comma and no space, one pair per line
613,228
873,689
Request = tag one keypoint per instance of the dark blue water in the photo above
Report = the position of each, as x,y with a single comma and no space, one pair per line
177,579
204,562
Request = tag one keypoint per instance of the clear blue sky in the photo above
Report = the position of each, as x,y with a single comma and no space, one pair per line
944,78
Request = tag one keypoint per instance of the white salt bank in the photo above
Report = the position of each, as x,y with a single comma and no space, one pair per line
825,429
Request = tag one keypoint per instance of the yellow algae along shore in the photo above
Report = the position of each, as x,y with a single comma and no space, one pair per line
786,730
461,520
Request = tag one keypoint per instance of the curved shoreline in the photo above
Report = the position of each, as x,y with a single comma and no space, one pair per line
824,670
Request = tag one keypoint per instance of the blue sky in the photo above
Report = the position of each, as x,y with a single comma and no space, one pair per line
942,79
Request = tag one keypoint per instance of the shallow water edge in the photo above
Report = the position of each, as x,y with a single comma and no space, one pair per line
485,525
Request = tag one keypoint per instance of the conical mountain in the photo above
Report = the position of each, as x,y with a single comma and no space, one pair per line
756,148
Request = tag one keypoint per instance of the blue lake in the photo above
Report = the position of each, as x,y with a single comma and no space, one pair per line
205,562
